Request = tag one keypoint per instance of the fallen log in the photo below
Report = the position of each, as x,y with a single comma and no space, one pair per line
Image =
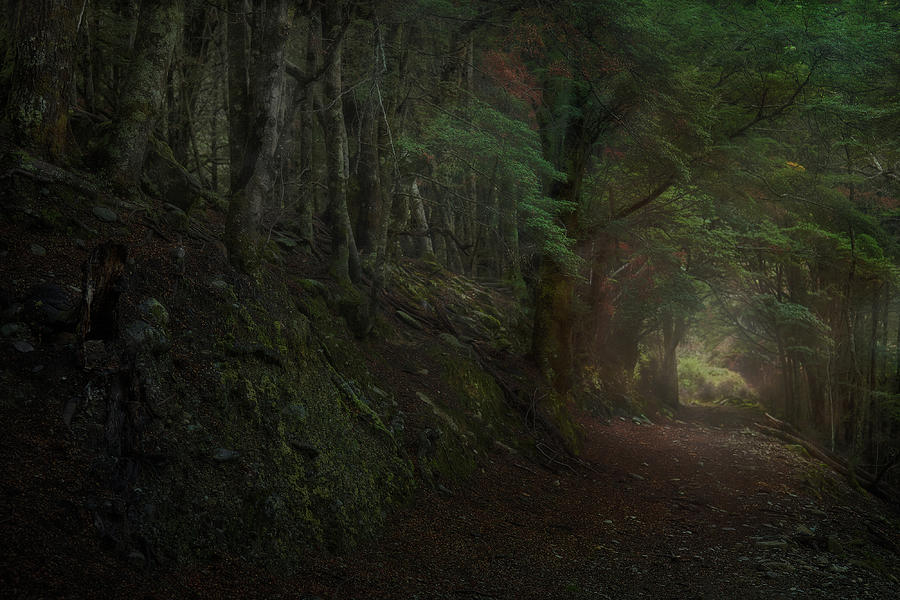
861,478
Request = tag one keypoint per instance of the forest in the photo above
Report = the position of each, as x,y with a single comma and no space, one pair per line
286,283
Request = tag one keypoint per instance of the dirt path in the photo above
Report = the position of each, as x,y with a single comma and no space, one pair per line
699,509
703,507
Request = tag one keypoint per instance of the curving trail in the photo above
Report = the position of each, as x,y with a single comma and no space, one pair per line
703,507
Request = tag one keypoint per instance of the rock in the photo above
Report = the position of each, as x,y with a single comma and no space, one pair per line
142,334
225,455
105,214
636,476
409,319
444,490
176,218
154,312
438,412
834,545
451,340
500,445
224,291
803,530
398,425
95,356
50,305
177,253
38,250
13,330
295,411
774,544
137,559
23,346
69,410
314,286
305,448
641,420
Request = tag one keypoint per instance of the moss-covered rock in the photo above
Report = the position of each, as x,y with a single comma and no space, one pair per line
310,461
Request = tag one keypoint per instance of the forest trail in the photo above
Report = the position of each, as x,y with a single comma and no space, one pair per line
700,507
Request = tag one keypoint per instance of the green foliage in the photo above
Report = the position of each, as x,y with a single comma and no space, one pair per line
504,153
700,381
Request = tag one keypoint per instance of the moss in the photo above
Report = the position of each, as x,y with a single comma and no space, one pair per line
557,409
798,450
317,466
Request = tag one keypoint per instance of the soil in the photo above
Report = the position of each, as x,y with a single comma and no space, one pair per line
699,507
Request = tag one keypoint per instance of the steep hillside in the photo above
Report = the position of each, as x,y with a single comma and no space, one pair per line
201,413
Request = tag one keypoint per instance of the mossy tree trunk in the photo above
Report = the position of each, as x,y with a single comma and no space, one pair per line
41,86
238,51
369,181
673,330
256,177
345,259
184,85
306,200
158,28
553,337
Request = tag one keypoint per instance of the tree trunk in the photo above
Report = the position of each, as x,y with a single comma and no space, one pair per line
381,240
266,96
159,25
552,343
673,331
422,246
185,80
369,194
41,86
509,235
238,51
345,259
306,200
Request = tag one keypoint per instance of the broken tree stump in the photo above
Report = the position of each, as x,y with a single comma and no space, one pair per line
101,287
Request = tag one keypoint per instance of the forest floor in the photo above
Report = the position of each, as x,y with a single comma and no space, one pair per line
699,507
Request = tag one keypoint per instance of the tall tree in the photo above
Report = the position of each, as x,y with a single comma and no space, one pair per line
41,87
345,258
263,98
159,27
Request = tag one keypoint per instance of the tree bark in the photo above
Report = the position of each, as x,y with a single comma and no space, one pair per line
369,181
422,246
42,82
266,96
238,51
673,332
184,84
306,200
158,27
509,235
345,259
